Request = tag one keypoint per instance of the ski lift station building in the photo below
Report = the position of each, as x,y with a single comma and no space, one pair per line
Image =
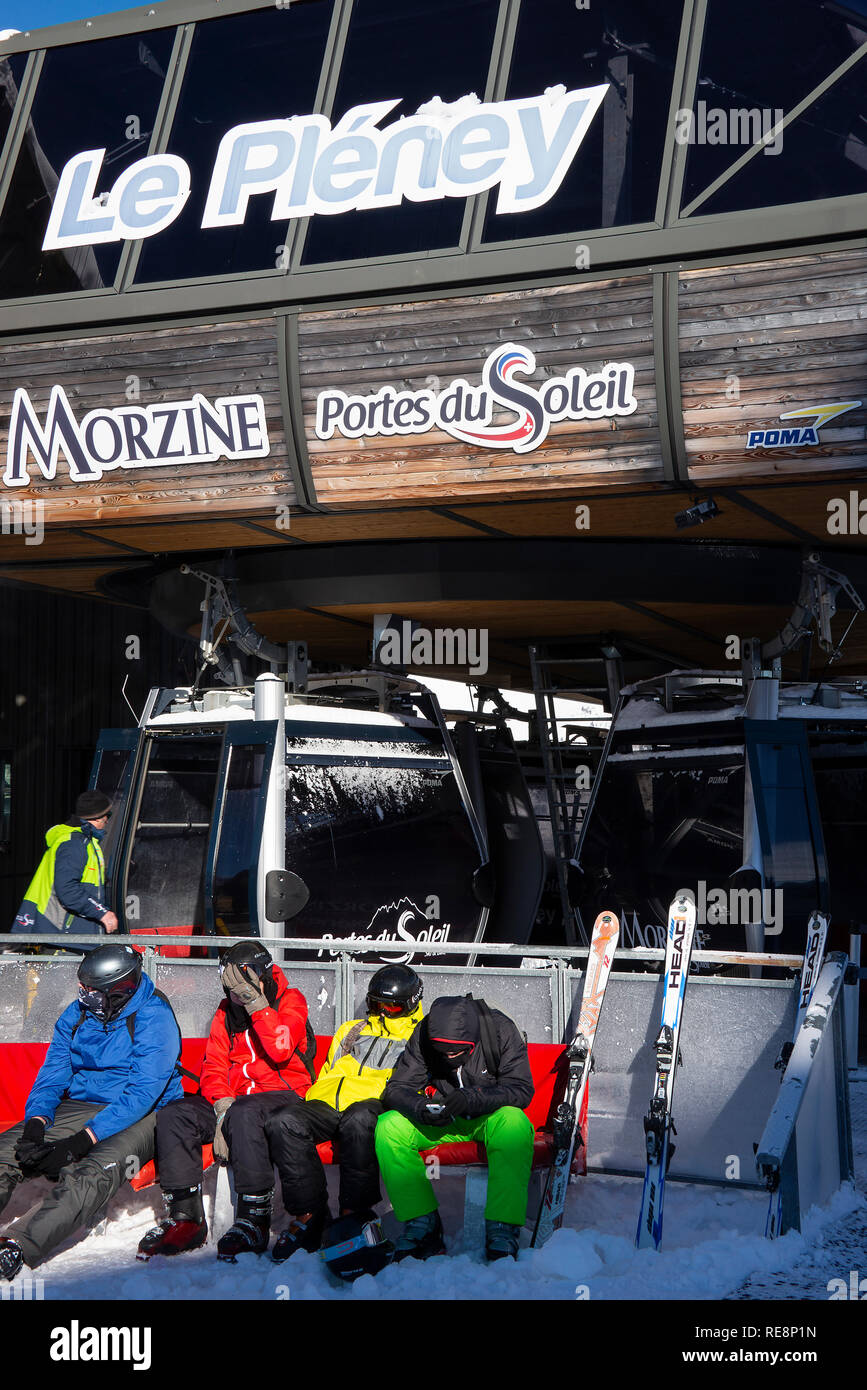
538,324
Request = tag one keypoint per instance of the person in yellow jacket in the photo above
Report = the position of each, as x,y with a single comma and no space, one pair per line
343,1104
68,890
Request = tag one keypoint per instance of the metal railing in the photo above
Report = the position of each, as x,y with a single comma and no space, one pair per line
734,1029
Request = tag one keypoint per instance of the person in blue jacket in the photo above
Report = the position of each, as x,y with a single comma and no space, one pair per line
90,1118
68,890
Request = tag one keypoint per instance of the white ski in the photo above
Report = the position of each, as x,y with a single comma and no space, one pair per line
817,935
658,1125
567,1135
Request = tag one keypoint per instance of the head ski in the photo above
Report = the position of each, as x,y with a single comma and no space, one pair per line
658,1125
817,935
567,1135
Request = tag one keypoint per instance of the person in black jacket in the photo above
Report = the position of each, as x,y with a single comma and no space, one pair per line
464,1074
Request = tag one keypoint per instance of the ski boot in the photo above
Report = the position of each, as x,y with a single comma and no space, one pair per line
251,1229
421,1238
501,1240
182,1229
11,1258
301,1235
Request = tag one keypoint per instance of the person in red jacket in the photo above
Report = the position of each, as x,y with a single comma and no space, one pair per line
254,1065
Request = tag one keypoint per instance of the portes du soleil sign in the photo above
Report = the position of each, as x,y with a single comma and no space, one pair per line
445,150
466,412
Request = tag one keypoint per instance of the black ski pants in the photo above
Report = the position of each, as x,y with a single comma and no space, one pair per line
183,1126
294,1133
82,1189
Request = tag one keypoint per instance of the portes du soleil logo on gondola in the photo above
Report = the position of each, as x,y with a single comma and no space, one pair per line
466,412
307,167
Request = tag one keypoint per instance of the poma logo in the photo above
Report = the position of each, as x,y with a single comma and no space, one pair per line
466,412
799,436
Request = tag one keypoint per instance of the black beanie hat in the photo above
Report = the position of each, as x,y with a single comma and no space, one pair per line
92,805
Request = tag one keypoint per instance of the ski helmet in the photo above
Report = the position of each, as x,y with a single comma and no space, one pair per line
395,991
354,1245
108,977
248,954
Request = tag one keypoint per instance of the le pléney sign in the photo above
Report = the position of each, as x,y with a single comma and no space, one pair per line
445,150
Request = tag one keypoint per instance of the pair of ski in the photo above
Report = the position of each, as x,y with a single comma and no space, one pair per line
817,935
571,1110
658,1126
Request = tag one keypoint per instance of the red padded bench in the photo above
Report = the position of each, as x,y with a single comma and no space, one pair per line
19,1063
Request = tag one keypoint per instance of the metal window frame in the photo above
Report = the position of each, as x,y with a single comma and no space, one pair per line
790,117
786,226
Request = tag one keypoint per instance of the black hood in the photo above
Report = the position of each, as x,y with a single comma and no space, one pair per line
455,1018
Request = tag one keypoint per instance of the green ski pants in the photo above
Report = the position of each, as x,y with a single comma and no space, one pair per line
507,1135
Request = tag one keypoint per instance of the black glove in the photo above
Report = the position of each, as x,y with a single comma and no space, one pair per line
457,1104
430,1110
63,1152
31,1144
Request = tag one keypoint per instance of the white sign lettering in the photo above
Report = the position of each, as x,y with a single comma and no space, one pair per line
445,150
466,412
134,436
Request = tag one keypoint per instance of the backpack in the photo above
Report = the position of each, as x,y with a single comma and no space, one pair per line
130,1023
488,1035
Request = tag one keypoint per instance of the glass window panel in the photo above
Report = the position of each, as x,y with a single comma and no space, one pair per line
167,856
444,51
252,67
238,853
614,177
658,825
793,46
86,97
375,845
11,73
840,772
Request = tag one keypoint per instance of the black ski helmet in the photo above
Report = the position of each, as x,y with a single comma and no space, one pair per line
354,1245
251,953
108,977
395,990
250,956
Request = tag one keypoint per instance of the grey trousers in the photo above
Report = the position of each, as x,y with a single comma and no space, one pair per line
83,1188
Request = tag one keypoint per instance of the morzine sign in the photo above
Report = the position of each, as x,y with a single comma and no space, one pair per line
445,150
172,433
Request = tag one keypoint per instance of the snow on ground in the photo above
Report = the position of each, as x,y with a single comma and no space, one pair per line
713,1248
840,1246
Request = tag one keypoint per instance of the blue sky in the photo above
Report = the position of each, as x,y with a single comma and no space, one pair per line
36,14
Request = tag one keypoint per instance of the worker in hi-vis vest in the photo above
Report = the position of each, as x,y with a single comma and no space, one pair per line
68,892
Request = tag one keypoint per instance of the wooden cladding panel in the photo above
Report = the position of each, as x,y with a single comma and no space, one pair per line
762,339
153,367
427,345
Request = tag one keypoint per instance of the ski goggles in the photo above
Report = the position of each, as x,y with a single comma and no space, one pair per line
452,1047
390,1007
105,1004
259,971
